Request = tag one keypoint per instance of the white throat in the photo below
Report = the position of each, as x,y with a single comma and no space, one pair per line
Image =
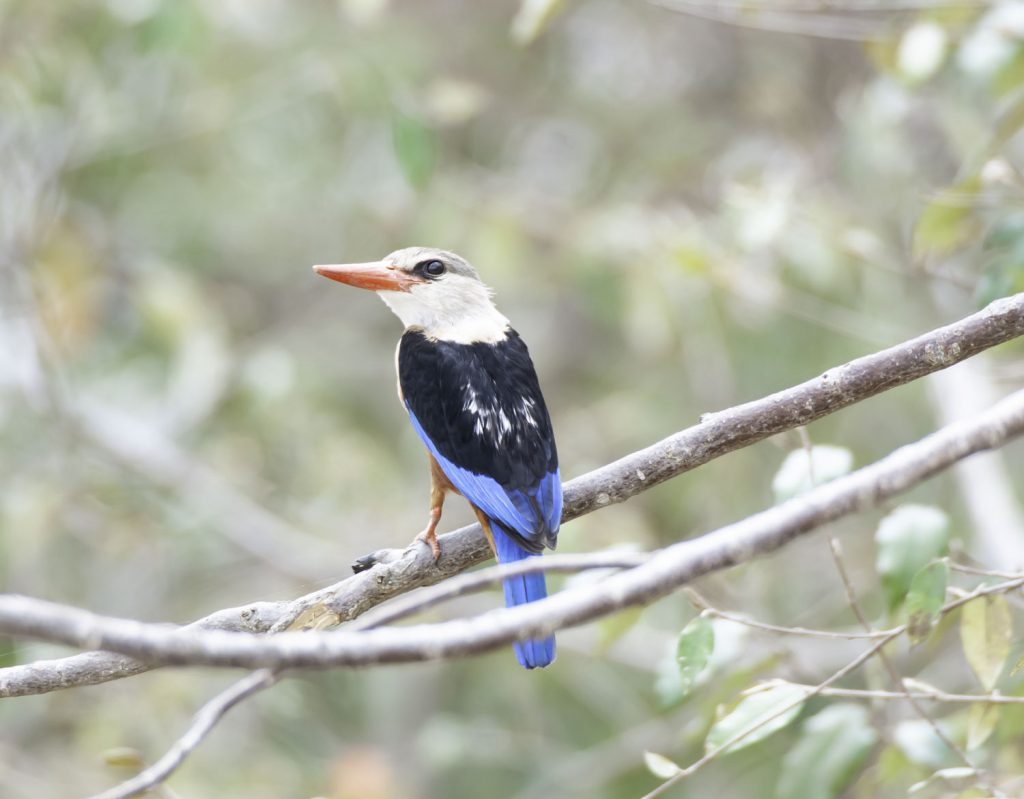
461,313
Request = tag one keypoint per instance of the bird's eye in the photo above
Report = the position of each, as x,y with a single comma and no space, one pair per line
433,268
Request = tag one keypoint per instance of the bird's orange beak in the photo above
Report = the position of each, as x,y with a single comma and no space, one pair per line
375,276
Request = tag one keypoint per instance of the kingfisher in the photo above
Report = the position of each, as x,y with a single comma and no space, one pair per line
469,386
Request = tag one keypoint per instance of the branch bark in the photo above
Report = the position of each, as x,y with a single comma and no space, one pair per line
399,571
664,572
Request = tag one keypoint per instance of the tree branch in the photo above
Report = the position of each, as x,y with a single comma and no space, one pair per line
400,571
664,572
204,721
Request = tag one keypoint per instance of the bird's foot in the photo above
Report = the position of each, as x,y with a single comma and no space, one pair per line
429,537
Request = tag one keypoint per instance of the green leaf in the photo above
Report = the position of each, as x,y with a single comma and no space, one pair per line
907,539
823,463
696,643
661,766
762,713
948,222
981,723
1018,667
833,745
986,631
415,150
925,598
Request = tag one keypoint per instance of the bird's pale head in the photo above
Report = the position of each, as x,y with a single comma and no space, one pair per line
435,290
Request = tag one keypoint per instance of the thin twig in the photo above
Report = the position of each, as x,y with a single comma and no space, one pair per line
894,674
811,691
204,721
963,567
468,583
930,696
202,724
858,611
712,754
702,604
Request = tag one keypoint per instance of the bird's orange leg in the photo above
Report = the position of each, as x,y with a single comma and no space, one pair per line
485,523
439,486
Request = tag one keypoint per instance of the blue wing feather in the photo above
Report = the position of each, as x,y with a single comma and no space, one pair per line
512,508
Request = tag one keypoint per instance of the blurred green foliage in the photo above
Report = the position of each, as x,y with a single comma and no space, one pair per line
677,213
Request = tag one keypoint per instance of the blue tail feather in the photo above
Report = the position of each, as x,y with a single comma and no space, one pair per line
535,652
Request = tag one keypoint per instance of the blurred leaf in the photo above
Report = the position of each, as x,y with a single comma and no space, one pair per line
762,713
533,18
925,598
668,684
947,222
800,472
612,628
1010,77
981,723
1018,667
920,743
986,631
415,148
908,539
975,793
953,773
922,50
364,12
1010,122
832,746
124,757
70,290
1004,267
660,766
176,26
449,102
8,653
695,645
893,765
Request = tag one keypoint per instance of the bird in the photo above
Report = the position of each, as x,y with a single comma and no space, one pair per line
466,379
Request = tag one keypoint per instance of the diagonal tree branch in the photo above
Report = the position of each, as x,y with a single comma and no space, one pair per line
205,720
399,571
664,572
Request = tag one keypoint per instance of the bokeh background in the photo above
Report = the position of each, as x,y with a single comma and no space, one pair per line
681,207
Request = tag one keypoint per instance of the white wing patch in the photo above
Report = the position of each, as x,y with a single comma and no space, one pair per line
526,412
492,419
